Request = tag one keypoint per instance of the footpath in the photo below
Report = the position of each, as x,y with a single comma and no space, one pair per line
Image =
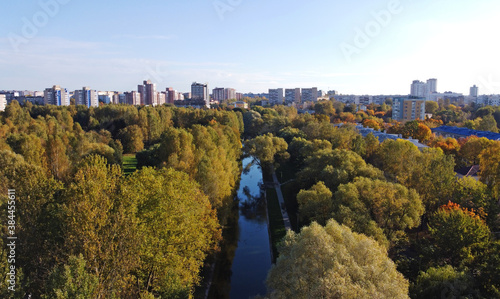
284,213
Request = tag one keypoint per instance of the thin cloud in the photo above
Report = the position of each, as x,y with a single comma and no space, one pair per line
154,37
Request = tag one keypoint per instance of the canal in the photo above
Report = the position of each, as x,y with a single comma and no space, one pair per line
246,256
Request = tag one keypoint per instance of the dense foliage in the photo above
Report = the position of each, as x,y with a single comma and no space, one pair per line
85,230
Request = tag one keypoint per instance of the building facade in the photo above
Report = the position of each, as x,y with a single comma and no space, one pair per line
200,91
310,94
148,93
292,95
474,91
3,102
86,97
133,98
276,96
404,109
56,96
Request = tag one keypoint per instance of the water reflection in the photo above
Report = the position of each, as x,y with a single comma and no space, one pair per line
247,253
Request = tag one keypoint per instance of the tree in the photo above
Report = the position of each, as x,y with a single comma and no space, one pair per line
431,107
489,163
72,281
455,230
488,123
443,282
333,262
315,204
471,149
177,228
392,207
100,225
132,139
266,149
335,167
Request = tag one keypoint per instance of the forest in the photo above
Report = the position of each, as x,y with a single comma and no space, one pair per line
431,233
369,218
85,229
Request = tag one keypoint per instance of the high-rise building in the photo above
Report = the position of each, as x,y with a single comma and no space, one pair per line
3,102
56,96
474,91
133,98
419,89
276,96
292,95
404,109
309,94
86,97
171,95
230,94
432,85
218,94
148,93
199,91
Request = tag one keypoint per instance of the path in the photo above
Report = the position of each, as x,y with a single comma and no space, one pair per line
284,213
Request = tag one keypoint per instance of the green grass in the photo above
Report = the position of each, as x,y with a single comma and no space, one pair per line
276,224
129,164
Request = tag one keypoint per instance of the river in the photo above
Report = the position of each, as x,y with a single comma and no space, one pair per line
246,257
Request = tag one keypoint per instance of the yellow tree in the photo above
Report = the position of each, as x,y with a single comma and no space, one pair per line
333,262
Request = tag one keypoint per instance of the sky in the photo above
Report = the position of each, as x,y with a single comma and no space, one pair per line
353,47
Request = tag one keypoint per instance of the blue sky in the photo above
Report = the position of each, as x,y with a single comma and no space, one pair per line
354,47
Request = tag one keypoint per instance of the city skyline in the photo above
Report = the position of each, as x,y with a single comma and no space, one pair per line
356,48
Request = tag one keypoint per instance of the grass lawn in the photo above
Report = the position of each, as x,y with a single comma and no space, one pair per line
276,224
129,164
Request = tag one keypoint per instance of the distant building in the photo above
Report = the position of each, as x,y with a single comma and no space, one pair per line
3,102
310,94
218,94
404,109
133,98
86,97
292,95
474,91
432,85
56,96
148,93
200,91
239,96
419,89
276,96
187,95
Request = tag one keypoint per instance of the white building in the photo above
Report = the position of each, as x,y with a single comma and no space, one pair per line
56,96
86,97
3,102
276,96
432,85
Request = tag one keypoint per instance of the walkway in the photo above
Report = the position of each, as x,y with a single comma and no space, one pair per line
284,213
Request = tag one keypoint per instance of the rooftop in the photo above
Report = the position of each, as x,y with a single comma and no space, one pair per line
465,132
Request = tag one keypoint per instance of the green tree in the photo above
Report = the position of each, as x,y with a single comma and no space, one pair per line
455,231
177,227
392,207
431,107
266,149
335,167
443,282
315,204
333,262
72,281
132,139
